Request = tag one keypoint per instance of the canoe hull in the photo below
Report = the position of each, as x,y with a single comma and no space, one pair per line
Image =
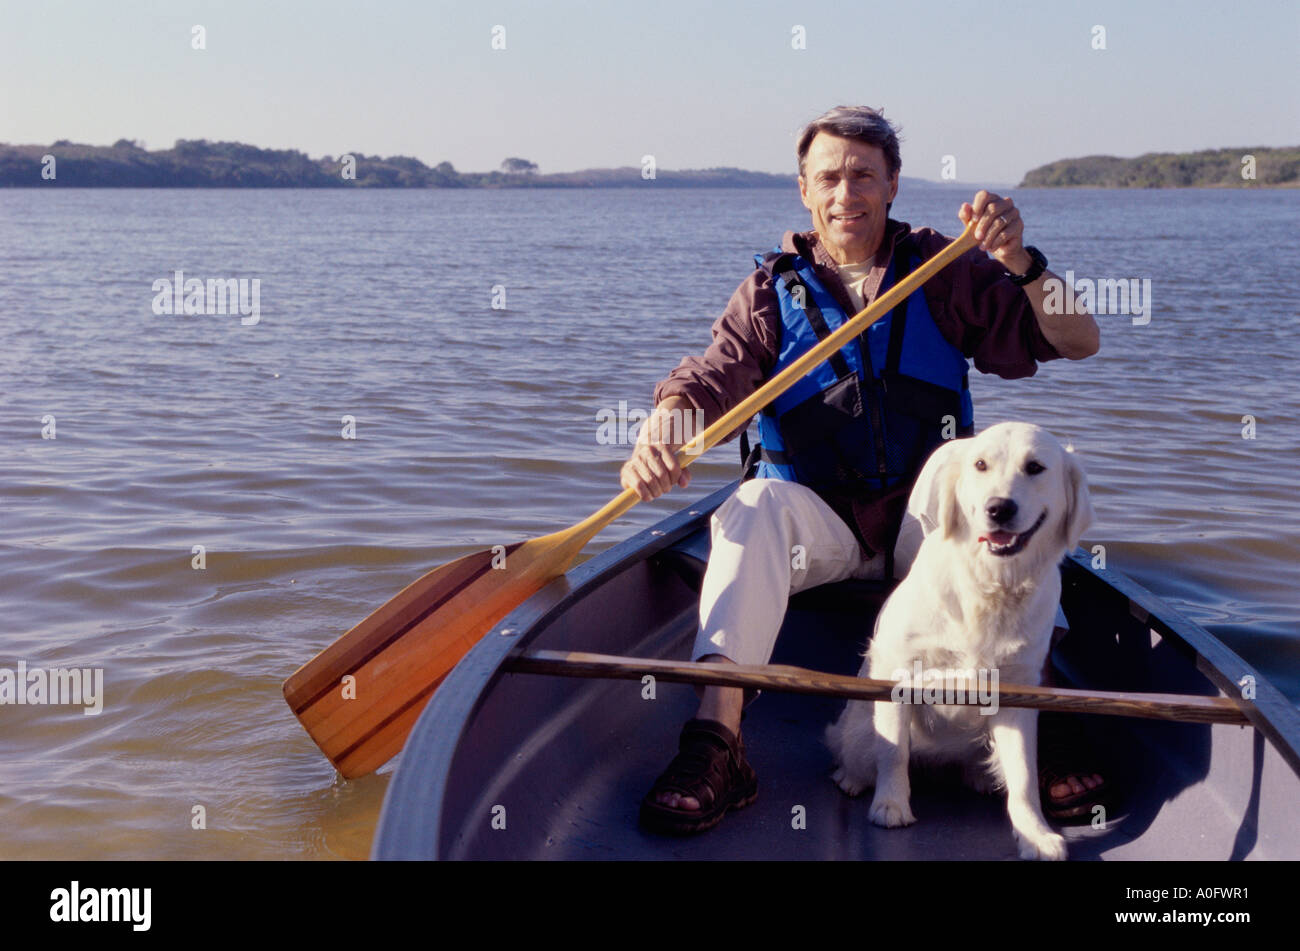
521,766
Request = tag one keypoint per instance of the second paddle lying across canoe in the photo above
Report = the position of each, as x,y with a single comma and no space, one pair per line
781,677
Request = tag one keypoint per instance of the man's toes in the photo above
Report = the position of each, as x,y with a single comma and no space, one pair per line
677,801
1073,785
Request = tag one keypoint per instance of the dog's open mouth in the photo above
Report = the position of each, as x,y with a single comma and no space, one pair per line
1003,544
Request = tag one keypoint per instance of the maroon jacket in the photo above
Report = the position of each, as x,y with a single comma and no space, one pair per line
977,309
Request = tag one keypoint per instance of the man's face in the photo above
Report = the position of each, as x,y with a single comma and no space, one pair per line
846,185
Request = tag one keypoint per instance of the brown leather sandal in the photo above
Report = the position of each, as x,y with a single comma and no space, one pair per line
710,767
1065,751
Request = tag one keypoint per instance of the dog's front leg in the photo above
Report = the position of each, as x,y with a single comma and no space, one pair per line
1015,744
891,805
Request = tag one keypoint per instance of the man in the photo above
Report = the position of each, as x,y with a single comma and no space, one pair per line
840,451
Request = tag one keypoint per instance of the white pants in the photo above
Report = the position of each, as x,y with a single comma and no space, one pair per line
773,538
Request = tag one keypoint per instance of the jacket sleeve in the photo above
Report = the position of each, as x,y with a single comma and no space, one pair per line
983,314
739,359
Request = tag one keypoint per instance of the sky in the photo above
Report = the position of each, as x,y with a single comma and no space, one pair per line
1001,87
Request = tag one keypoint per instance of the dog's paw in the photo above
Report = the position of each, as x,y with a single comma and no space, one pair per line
851,785
1044,846
891,813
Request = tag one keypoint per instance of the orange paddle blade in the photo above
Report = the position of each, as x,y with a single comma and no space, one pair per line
360,697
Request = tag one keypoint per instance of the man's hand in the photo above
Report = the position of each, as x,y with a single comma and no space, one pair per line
653,468
999,229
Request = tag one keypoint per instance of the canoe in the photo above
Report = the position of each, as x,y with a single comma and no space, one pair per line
509,765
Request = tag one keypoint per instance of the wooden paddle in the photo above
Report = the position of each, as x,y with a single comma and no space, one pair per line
1184,708
360,697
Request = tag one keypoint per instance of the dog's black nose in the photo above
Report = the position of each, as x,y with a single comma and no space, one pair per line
1001,510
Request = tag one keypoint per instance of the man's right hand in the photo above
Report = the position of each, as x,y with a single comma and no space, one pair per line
653,468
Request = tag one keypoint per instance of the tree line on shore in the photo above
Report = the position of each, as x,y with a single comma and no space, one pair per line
1268,167
198,163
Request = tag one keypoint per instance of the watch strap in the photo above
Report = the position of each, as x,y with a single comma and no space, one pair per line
1035,271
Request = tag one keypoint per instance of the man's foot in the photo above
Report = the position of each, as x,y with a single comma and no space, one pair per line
708,776
1073,785
1067,790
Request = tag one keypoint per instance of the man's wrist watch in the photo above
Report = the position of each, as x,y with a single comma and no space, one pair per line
1035,270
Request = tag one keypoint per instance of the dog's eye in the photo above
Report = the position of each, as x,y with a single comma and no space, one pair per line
1033,467
981,465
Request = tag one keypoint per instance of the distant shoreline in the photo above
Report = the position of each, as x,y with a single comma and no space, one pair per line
202,164
1211,168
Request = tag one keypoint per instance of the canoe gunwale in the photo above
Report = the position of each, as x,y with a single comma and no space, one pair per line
1270,711
411,819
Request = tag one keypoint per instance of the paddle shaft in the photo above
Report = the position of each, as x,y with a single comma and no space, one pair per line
743,411
1155,706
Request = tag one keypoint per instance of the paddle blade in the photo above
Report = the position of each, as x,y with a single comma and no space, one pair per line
359,698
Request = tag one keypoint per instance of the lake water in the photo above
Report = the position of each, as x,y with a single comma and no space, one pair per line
476,426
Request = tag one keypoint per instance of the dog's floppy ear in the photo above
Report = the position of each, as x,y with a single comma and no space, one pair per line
932,500
1078,504
945,484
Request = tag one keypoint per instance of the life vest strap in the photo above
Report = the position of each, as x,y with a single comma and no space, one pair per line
898,321
781,267
750,457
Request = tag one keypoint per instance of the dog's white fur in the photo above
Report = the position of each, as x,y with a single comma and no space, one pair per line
963,607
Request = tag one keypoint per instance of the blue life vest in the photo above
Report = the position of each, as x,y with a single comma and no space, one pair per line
861,424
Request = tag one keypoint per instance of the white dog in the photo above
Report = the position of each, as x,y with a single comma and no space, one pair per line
1006,506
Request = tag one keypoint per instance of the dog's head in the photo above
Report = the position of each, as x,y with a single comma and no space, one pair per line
1015,493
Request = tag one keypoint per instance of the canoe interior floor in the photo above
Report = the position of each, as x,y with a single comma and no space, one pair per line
578,778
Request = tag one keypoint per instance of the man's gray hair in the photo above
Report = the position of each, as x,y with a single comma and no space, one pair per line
855,122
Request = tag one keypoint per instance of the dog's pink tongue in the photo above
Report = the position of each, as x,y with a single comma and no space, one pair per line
1000,538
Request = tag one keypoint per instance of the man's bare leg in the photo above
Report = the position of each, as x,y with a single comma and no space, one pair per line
723,704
